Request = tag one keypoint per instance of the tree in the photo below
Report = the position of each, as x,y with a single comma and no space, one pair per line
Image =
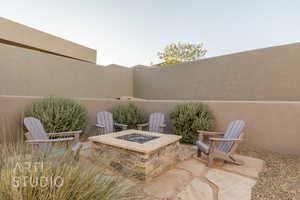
181,52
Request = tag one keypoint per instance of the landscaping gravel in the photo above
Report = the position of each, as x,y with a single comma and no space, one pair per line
281,178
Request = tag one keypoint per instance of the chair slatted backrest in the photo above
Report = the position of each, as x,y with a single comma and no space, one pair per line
105,119
156,119
37,132
233,131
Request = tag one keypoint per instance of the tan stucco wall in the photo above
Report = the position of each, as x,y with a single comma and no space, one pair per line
31,73
263,74
24,35
270,125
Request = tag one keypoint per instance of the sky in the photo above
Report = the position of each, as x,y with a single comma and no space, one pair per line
131,32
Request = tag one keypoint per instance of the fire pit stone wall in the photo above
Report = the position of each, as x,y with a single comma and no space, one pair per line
140,161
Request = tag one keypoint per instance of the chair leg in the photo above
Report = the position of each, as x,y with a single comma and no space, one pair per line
199,152
100,131
210,161
77,153
236,161
161,129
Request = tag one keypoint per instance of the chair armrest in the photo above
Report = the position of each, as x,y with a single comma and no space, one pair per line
209,133
123,126
141,126
66,133
99,126
49,141
224,140
163,126
74,134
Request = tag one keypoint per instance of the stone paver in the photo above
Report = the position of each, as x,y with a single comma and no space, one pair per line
252,166
231,186
193,180
168,184
193,166
196,190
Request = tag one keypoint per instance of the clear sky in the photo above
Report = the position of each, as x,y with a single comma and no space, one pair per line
131,32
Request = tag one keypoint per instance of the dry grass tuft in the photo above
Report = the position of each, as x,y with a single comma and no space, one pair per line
80,182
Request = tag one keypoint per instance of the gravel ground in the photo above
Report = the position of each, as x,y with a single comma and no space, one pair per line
281,178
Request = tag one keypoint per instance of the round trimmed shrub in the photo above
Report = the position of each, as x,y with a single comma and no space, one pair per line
186,119
58,114
128,114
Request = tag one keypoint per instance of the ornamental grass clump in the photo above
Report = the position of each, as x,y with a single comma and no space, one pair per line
186,119
128,114
57,177
58,114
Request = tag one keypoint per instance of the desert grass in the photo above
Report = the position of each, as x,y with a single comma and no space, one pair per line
70,179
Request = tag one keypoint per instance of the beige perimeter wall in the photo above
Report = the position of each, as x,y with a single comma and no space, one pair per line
23,35
26,72
263,74
270,125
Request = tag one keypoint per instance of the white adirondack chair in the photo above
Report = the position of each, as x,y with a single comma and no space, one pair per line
156,123
105,123
37,137
222,147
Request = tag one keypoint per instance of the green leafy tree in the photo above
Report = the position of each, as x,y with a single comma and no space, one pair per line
181,52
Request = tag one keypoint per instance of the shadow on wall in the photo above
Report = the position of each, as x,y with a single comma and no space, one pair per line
60,76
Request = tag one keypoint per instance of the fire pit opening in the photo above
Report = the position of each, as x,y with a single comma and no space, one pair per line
137,137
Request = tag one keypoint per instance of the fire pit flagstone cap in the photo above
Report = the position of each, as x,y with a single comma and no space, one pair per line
145,148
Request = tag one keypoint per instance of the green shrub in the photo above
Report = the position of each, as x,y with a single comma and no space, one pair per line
186,119
128,114
58,114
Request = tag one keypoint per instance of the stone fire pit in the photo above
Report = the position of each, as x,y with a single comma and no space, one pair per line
138,154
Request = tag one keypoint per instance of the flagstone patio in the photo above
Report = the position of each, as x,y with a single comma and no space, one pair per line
192,179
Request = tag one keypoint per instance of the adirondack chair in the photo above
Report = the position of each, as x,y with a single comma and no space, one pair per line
105,123
222,147
42,141
156,123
